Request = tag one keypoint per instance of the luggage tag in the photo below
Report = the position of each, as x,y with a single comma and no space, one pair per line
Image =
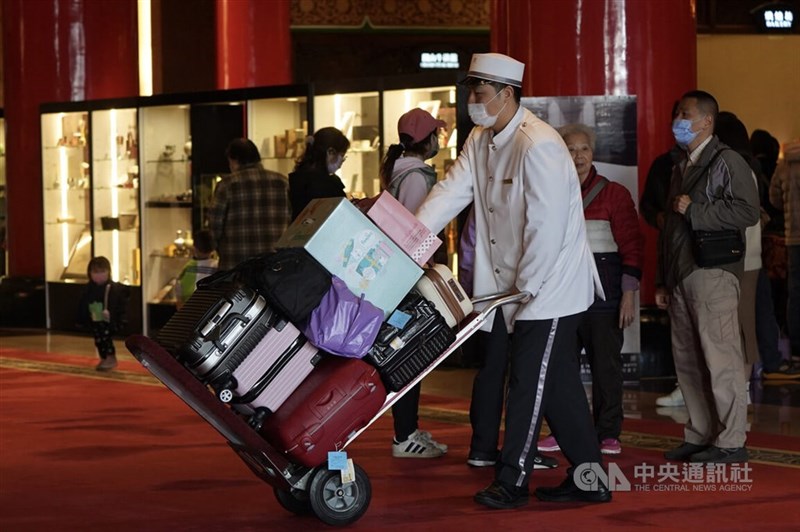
337,460
399,319
349,474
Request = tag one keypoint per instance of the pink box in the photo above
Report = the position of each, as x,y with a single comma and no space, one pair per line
403,228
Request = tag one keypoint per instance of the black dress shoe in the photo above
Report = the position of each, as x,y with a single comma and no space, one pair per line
719,455
501,496
567,491
684,451
541,461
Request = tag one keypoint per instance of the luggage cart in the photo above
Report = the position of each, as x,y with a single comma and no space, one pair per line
298,489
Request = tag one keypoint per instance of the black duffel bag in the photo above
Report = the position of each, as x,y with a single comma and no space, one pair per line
715,248
291,280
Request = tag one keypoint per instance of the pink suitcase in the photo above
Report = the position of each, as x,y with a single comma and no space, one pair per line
275,367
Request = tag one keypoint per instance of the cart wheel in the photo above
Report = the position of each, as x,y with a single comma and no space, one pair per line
337,504
295,501
226,396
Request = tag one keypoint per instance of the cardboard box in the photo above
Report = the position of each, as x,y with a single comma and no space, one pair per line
352,248
403,228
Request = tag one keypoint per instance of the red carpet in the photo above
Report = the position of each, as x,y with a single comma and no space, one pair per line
97,454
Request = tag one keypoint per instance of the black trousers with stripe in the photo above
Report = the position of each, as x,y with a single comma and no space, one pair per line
489,389
544,382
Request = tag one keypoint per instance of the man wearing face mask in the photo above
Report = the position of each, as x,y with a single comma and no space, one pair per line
530,236
711,190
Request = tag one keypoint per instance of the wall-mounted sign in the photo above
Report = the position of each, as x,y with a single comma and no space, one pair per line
776,17
438,60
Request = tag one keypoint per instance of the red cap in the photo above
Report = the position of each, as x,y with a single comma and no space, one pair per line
418,124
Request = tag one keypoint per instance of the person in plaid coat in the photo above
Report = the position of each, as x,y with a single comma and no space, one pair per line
250,209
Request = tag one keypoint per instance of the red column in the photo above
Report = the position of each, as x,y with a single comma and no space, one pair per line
59,50
607,47
253,43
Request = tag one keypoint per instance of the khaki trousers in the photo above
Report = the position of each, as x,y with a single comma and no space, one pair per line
707,348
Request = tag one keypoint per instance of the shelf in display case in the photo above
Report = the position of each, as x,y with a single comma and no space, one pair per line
162,255
131,230
70,188
70,147
117,187
109,159
173,161
70,222
164,204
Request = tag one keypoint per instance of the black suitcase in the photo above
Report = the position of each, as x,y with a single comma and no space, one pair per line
216,329
400,354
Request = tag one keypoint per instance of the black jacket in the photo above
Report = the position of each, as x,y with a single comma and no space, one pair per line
306,185
118,296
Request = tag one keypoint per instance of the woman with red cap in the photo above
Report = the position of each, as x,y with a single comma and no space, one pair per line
406,176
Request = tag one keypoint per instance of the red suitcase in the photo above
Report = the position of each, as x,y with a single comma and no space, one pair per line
337,399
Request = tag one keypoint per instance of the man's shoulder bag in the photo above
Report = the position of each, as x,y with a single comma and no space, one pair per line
716,248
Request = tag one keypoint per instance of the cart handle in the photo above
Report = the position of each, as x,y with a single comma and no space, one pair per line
501,298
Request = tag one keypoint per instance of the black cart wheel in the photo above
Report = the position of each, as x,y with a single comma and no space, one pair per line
337,504
295,501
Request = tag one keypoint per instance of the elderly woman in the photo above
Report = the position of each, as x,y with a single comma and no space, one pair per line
612,226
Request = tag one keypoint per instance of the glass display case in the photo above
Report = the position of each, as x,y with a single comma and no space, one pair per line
278,127
132,179
66,183
90,203
165,188
182,157
357,115
67,207
115,192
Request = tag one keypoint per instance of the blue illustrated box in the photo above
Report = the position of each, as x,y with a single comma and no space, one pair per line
352,248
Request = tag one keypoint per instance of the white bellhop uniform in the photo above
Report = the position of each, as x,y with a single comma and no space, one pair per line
521,180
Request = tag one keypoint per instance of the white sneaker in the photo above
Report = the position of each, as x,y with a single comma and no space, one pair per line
427,435
417,446
673,399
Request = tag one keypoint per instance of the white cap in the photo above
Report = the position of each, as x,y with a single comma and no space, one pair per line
496,67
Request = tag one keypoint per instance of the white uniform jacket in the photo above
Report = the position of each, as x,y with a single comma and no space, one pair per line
530,230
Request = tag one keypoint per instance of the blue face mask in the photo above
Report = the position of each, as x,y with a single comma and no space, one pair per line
682,131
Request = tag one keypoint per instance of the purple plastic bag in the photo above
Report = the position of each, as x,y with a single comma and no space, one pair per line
343,324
